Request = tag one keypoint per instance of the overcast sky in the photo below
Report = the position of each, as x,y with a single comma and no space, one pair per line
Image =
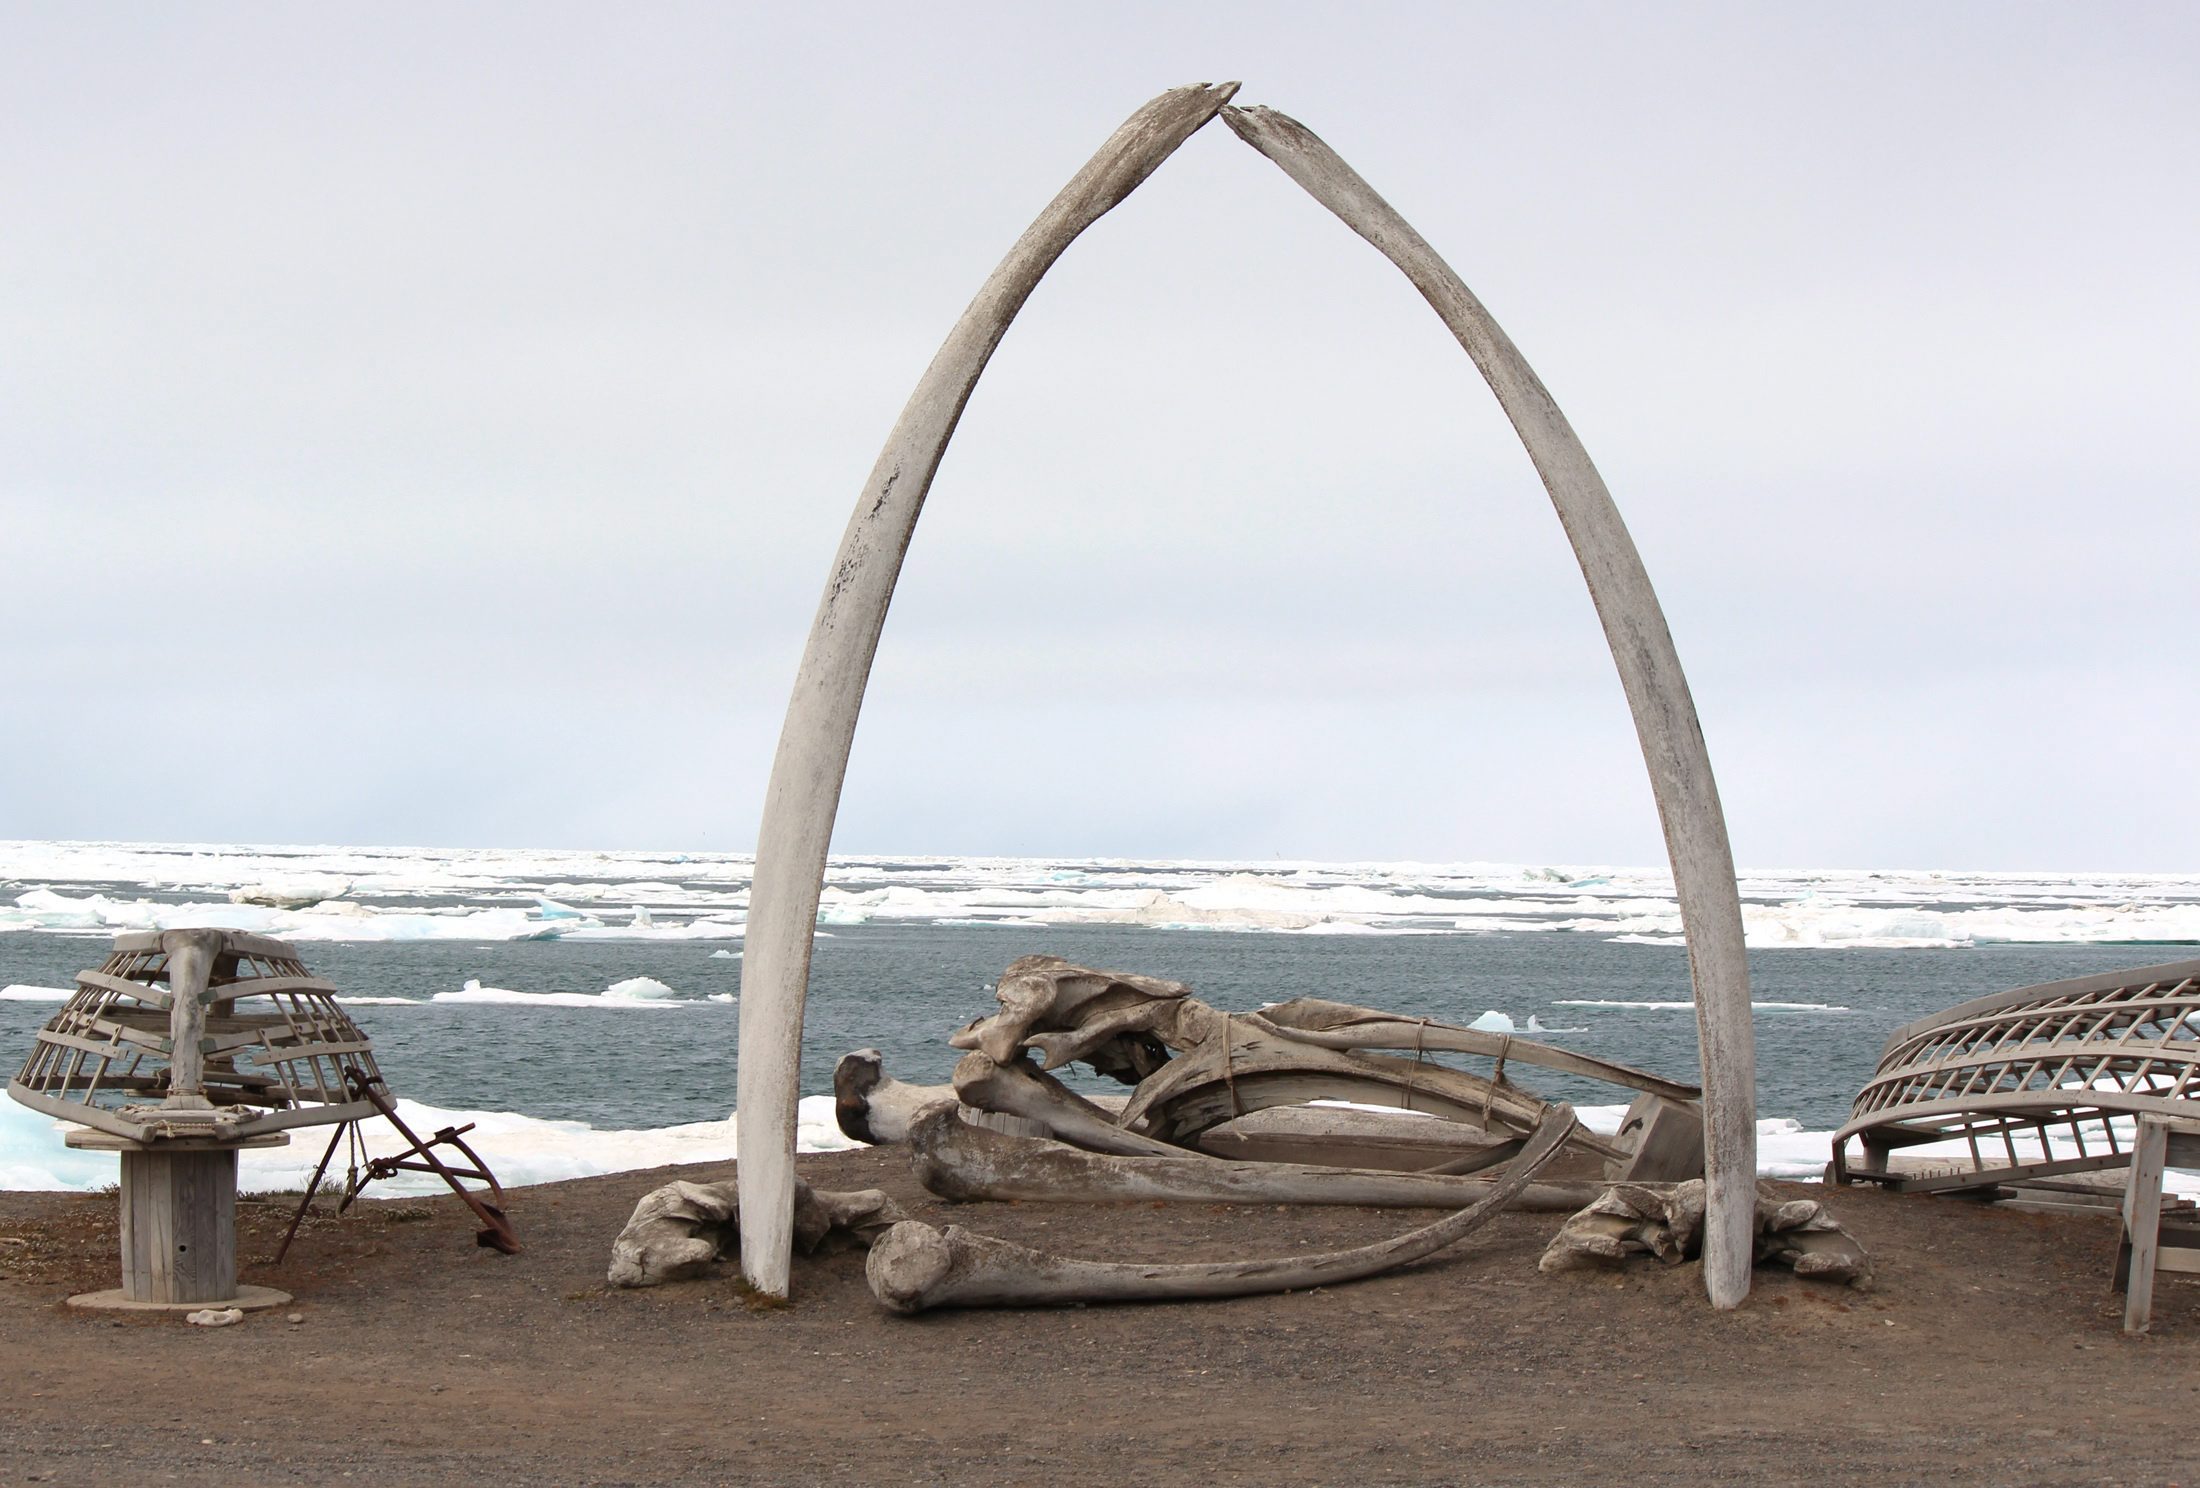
433,424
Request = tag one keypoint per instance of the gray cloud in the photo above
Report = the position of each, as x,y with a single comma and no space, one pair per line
430,425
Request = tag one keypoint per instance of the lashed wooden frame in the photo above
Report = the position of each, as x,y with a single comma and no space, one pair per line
812,760
2017,1076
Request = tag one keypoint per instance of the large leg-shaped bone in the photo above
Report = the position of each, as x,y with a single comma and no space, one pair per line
812,761
872,1106
914,1266
959,1161
1019,1088
1649,672
678,1231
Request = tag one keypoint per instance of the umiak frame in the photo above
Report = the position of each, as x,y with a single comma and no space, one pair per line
812,760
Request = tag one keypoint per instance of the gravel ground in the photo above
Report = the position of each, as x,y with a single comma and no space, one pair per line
1990,1352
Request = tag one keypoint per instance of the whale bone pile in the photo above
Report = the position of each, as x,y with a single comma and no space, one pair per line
1209,1086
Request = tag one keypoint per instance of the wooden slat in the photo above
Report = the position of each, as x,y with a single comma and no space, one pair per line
122,1037
2049,992
285,1053
1994,1177
137,991
268,986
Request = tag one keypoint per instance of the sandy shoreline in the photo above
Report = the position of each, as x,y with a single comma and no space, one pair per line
1990,1352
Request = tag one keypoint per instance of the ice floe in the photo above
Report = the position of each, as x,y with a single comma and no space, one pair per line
634,992
520,1149
394,894
1689,1007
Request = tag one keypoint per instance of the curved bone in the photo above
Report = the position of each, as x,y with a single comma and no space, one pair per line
677,1232
959,1161
808,770
872,1106
1040,994
1340,1025
1649,671
914,1266
1066,1046
1020,1089
1258,1070
812,760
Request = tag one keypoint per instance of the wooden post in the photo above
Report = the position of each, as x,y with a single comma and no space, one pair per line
2143,1222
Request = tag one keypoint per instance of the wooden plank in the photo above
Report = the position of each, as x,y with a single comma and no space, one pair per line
268,986
1668,1141
2143,1222
137,991
2023,1205
123,1038
1996,1177
206,1226
284,1053
137,1270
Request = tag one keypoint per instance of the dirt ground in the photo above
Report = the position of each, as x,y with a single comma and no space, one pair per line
1989,1352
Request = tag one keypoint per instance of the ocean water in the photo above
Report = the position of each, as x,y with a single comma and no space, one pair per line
505,987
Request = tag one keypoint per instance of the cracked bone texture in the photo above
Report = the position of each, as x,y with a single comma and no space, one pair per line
678,1232
1667,1221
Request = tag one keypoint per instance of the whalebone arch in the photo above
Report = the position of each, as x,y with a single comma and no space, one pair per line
810,766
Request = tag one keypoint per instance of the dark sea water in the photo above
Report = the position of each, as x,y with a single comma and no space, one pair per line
904,988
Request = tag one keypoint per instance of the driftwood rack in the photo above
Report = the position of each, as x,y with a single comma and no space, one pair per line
183,1048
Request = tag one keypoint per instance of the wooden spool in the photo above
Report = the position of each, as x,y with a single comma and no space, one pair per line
179,1225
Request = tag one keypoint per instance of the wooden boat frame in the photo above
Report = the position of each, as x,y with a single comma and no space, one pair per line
2070,1063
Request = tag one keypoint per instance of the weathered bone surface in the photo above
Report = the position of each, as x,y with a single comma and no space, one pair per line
915,1267
1649,671
872,1106
1197,1067
1046,994
807,772
812,760
957,1160
677,1232
1340,1025
1667,1221
1018,1088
